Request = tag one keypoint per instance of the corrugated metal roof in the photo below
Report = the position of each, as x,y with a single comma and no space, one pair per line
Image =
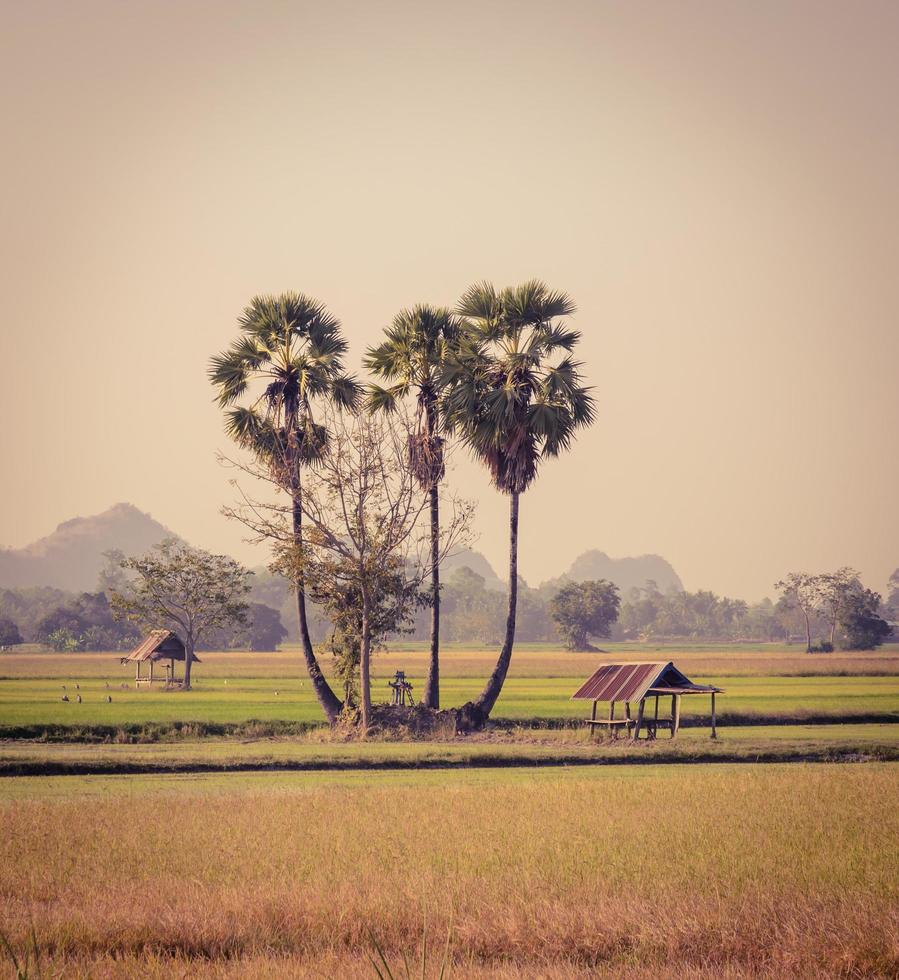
633,681
150,645
620,682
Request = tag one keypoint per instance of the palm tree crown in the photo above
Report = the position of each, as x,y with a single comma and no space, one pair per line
515,393
413,356
290,352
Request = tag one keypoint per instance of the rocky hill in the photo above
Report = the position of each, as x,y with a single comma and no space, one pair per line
71,557
477,563
626,573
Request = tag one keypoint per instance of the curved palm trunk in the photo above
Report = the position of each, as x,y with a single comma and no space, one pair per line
331,704
432,689
487,698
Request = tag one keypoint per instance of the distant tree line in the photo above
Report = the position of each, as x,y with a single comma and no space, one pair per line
474,614
856,618
648,614
70,622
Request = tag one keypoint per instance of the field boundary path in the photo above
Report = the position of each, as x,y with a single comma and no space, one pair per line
480,760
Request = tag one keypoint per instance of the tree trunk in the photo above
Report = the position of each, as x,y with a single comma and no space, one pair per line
365,660
188,661
487,698
331,704
808,633
432,689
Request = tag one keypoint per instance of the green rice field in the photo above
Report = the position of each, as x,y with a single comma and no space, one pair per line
232,688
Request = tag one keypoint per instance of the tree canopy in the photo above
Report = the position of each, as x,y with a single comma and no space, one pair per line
864,627
186,590
584,609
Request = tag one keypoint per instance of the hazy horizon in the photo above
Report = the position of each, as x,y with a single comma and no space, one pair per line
714,184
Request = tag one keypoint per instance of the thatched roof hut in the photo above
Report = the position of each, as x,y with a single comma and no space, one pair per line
158,645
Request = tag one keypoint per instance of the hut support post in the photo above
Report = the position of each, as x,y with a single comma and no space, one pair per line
612,728
675,714
639,722
137,675
714,730
593,718
151,671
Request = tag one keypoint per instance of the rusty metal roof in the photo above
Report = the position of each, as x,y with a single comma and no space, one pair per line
633,681
149,647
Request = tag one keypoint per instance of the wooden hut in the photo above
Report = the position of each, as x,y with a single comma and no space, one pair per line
158,645
634,683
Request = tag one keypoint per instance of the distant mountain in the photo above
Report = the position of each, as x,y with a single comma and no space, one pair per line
72,556
626,573
477,563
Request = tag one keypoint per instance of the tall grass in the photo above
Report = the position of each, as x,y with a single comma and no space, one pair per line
717,871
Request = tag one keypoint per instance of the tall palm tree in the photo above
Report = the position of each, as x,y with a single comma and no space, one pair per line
515,397
288,357
412,358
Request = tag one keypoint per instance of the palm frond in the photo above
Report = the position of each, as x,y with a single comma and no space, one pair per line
229,376
480,302
346,392
378,399
556,338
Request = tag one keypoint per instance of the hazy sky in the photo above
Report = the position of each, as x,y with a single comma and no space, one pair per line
714,182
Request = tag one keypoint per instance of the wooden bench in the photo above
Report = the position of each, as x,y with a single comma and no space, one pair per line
611,724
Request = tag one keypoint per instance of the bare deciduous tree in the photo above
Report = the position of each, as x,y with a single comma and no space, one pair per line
834,589
800,590
365,513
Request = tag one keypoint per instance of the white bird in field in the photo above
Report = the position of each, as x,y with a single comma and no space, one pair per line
109,699
277,693
77,687
65,697
78,699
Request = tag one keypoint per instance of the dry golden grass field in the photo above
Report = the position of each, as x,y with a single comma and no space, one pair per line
702,871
